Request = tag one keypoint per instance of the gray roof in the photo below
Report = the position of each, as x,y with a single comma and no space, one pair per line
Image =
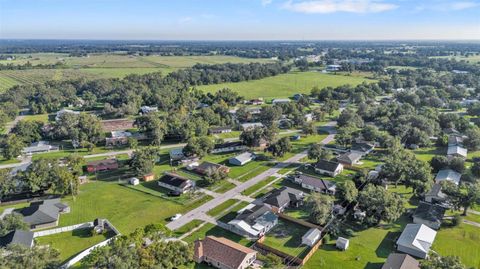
350,157
457,150
17,237
283,196
319,183
418,237
42,212
430,212
312,234
362,147
244,157
400,261
327,165
251,214
448,175
436,191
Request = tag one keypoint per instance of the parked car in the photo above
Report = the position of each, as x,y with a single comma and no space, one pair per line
176,217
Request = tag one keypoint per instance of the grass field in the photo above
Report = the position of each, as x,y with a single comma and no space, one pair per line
462,241
102,66
71,243
285,85
475,59
221,207
126,208
258,186
211,229
287,237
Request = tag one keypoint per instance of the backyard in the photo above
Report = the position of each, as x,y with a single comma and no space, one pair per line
286,237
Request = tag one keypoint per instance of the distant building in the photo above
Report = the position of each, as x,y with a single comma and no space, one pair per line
118,138
435,195
60,113
315,184
220,130
350,158
362,148
281,101
311,237
400,261
102,165
148,109
204,167
328,168
134,181
148,177
39,147
176,154
222,253
333,67
457,151
242,159
429,214
176,183
416,240
448,175
250,125
229,147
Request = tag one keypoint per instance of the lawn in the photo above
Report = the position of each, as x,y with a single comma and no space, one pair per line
286,236
232,213
71,243
426,154
462,241
258,186
126,208
221,207
368,249
187,227
211,229
285,85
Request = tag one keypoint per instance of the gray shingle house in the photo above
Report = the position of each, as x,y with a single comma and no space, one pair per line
253,221
279,199
429,214
242,159
19,237
44,214
328,168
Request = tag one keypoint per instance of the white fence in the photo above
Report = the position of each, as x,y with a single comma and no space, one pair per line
63,229
85,253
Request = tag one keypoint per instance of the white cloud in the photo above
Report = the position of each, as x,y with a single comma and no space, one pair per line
332,6
448,5
185,20
266,2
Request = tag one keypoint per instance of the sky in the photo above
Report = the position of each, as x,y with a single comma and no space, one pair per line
240,19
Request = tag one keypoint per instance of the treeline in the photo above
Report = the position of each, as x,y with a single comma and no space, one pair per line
28,65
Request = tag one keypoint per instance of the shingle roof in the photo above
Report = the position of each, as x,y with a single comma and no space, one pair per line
283,196
42,212
349,157
228,145
244,157
430,212
223,250
249,215
449,175
363,147
102,162
452,150
418,237
436,190
17,237
205,165
327,165
400,261
319,183
174,180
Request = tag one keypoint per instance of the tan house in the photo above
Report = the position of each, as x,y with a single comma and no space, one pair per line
222,253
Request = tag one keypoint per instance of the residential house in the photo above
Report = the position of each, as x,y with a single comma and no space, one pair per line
285,197
118,138
44,214
429,214
328,168
204,167
39,147
220,130
457,151
102,165
256,102
416,240
435,194
60,113
242,159
229,147
148,109
349,159
253,221
280,101
400,261
333,68
250,125
176,183
363,148
342,243
176,154
17,237
117,125
455,140
311,237
222,253
448,175
315,184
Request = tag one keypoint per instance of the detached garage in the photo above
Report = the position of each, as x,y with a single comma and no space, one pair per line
242,159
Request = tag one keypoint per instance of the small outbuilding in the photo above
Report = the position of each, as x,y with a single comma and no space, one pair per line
311,237
342,243
149,177
134,181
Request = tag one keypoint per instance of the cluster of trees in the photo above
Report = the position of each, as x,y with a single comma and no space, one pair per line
131,251
42,175
18,256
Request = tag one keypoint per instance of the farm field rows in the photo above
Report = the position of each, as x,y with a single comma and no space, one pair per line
285,85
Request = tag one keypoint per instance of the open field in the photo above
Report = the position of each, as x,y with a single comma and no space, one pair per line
285,85
286,236
71,243
121,205
475,59
461,241
102,66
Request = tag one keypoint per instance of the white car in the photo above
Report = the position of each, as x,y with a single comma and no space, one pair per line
177,216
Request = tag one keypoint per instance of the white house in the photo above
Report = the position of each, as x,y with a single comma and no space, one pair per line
148,109
328,168
250,125
311,237
457,151
242,159
280,101
416,240
39,147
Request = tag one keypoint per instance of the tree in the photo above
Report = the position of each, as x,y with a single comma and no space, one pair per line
463,195
319,114
271,261
270,114
132,143
18,257
12,222
198,146
253,136
28,131
345,135
317,152
64,182
7,184
349,117
380,204
75,162
457,164
38,175
347,191
281,147
320,207
215,174
12,146
475,169
472,142
438,163
309,128
435,261
143,160
153,126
